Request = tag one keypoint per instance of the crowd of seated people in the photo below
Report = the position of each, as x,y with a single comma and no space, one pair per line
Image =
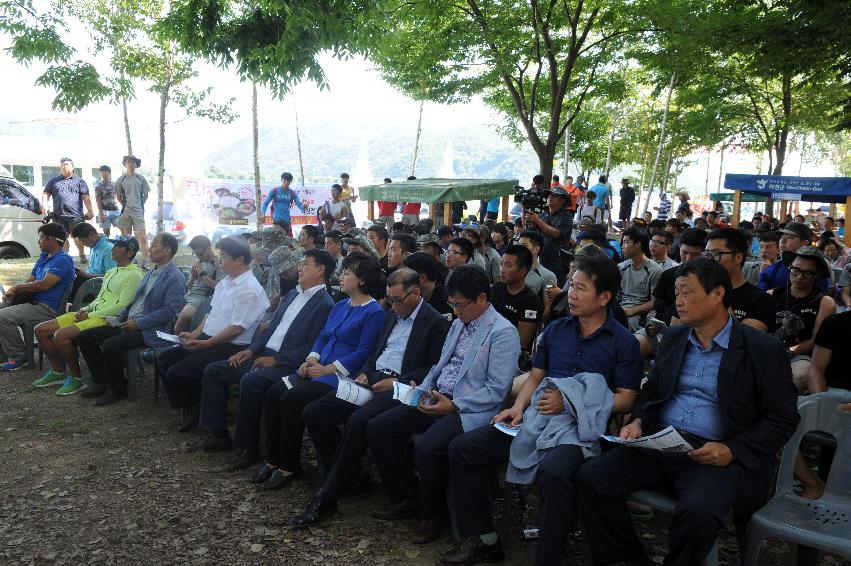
474,319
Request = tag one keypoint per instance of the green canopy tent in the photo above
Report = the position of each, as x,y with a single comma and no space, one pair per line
446,191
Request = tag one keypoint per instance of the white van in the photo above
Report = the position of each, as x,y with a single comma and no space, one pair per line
20,219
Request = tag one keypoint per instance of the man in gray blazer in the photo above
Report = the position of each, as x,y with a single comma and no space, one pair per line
464,391
273,354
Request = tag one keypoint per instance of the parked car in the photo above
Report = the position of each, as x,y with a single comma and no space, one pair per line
20,218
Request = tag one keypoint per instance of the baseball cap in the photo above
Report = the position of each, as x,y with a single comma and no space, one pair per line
558,191
128,242
585,221
580,178
797,229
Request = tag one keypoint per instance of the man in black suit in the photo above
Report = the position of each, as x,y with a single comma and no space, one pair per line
409,344
273,354
728,389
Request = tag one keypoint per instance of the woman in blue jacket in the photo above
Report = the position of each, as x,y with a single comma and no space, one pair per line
343,346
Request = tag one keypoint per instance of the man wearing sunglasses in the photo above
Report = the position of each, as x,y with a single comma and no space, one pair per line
409,344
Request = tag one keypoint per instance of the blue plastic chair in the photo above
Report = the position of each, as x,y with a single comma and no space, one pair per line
823,524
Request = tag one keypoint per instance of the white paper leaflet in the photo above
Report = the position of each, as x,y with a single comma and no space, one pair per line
353,392
667,440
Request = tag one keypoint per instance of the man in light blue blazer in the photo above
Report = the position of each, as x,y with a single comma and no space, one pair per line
465,390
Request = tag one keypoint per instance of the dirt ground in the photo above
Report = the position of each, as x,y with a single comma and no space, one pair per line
120,485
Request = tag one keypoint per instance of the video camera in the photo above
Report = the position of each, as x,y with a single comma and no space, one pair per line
532,201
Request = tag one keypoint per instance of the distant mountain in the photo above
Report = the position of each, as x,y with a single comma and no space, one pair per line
329,149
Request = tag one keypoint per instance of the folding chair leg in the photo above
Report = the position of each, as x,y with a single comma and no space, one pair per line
29,343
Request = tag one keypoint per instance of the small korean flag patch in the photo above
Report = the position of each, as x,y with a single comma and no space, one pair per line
531,314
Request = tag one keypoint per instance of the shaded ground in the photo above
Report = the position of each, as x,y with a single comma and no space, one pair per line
120,485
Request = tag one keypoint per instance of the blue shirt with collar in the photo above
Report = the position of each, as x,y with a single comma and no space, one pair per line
100,257
391,358
693,407
611,350
777,275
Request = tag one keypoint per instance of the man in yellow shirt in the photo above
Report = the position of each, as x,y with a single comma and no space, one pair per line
56,337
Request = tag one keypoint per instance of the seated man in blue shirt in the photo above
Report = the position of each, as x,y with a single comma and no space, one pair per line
38,299
587,340
464,392
727,388
100,255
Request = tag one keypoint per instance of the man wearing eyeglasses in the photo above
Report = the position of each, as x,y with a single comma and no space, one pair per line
750,305
462,392
409,344
660,245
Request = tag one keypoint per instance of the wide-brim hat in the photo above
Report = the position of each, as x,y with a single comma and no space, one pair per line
810,252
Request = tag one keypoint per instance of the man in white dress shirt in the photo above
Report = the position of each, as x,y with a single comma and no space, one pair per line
238,304
274,353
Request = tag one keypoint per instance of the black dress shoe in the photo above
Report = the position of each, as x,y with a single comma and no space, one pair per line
278,479
216,444
317,510
398,510
94,391
472,550
111,396
429,530
262,473
243,459
191,417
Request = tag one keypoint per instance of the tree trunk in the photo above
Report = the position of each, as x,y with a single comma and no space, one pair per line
126,121
567,151
615,115
721,166
255,134
417,140
298,143
545,163
661,141
803,150
784,127
708,163
161,168
645,157
663,187
770,161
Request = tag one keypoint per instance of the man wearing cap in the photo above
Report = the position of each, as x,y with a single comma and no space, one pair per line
56,337
283,272
283,198
153,308
40,297
801,306
70,195
792,237
555,227
108,212
627,196
132,191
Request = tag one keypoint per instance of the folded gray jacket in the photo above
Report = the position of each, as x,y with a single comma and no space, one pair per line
587,406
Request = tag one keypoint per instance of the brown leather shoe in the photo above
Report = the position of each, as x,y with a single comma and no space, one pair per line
471,551
429,530
398,510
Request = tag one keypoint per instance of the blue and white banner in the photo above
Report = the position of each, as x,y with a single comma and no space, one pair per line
819,189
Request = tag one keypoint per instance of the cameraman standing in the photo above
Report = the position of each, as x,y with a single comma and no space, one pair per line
555,226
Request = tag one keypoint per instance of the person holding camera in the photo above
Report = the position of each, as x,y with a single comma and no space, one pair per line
555,226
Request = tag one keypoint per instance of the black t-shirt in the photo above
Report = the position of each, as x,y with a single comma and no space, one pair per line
832,334
749,301
525,306
795,317
440,301
663,296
